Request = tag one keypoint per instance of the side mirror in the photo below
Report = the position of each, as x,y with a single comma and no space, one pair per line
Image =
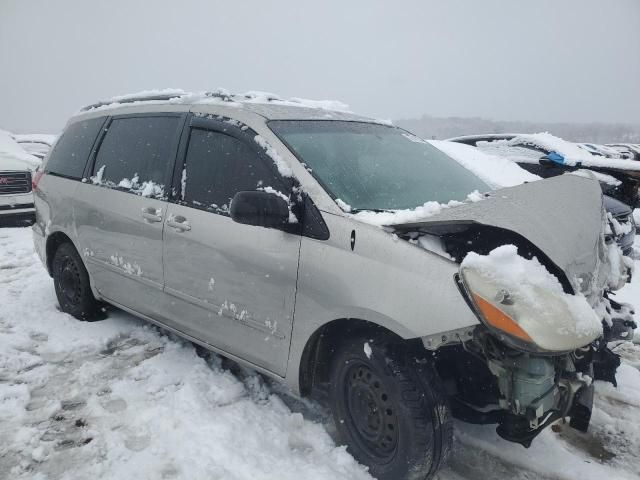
259,208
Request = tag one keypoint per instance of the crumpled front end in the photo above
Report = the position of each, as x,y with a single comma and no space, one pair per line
537,270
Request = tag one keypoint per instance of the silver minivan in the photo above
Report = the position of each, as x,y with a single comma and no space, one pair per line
341,255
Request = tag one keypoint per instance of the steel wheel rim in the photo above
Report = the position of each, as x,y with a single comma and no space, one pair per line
372,417
70,285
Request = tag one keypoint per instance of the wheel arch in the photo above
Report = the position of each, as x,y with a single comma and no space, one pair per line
54,240
314,362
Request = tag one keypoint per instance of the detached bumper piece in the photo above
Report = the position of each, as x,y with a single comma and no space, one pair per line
605,365
580,411
515,428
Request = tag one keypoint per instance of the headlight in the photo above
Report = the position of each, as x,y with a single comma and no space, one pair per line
529,316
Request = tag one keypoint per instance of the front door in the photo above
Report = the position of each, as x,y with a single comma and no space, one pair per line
230,285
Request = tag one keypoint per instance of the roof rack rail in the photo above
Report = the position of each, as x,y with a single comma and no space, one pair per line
133,99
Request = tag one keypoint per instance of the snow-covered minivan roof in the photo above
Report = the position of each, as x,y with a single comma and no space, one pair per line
264,104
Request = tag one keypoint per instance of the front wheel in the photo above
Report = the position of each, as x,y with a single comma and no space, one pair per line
72,285
389,409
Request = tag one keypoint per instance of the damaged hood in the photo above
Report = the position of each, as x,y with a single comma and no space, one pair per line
562,216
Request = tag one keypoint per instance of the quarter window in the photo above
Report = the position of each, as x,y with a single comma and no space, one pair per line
70,154
136,154
218,166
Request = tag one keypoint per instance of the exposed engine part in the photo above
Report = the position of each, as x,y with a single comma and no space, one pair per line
527,385
520,391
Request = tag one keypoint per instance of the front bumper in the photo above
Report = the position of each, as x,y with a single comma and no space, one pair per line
17,205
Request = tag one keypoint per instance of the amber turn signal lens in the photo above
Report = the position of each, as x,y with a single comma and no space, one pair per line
499,320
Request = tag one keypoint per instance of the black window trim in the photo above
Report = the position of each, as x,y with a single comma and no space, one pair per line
174,149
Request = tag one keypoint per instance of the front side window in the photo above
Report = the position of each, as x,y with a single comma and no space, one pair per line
376,167
136,154
217,166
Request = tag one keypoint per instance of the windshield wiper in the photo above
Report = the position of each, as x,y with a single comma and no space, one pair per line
376,210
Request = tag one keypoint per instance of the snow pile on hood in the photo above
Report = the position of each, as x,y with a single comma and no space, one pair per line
570,151
13,156
496,171
397,217
526,281
601,177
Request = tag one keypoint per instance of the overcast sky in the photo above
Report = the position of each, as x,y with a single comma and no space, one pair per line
541,60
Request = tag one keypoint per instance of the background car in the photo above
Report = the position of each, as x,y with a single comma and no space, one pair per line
37,144
16,168
530,152
627,150
601,150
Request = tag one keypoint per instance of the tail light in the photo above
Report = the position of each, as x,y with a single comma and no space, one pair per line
35,178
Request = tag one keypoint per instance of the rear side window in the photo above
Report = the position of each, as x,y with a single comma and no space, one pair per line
73,148
137,154
218,166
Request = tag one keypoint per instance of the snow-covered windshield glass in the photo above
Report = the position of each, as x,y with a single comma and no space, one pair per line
376,167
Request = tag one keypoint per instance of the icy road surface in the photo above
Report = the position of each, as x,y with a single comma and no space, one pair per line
120,399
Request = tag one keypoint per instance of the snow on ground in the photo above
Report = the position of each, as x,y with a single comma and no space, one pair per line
119,398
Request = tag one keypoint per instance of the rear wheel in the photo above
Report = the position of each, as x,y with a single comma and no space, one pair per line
389,409
72,285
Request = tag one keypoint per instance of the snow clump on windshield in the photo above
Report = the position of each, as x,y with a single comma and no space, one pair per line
422,212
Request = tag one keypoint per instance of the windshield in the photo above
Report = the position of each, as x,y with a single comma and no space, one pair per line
376,167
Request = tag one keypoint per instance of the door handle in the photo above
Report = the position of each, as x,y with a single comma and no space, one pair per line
151,214
179,223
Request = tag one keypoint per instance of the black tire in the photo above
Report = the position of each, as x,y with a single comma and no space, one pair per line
71,282
389,408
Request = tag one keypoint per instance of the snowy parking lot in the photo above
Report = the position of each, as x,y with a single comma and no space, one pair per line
119,398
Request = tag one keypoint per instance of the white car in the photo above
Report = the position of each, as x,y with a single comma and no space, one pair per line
37,144
16,169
